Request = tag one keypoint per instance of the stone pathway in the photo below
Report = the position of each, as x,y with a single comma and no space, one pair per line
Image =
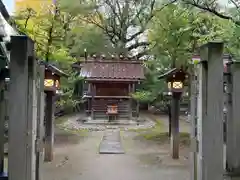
83,157
142,160
111,143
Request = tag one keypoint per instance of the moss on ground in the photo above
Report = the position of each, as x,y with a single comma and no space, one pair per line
59,123
61,119
159,133
67,130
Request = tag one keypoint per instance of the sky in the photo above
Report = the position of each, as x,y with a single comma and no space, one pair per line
9,5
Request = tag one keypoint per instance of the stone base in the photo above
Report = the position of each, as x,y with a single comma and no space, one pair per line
107,122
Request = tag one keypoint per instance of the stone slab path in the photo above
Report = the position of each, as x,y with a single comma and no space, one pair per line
111,143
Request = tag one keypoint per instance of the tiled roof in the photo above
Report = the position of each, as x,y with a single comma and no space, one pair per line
113,70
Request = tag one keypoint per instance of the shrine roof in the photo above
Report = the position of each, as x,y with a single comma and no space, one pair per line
126,70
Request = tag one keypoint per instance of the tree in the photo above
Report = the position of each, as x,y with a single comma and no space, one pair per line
228,10
171,34
45,28
85,36
124,22
177,32
49,30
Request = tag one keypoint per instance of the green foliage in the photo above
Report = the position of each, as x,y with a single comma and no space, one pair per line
151,88
170,34
143,96
177,32
88,37
47,29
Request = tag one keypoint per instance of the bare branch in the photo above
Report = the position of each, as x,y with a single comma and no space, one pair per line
137,44
212,10
235,4
141,54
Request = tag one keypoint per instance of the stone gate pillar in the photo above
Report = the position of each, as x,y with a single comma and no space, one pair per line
193,113
40,121
210,113
22,110
233,123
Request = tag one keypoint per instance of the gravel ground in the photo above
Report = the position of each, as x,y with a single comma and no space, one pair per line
73,123
76,157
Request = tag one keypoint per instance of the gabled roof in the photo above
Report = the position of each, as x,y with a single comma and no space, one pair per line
53,68
112,70
170,72
175,73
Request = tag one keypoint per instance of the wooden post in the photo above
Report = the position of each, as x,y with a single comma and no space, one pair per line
130,90
169,120
92,110
40,122
175,125
49,127
233,124
2,123
23,110
89,101
193,113
211,113
137,106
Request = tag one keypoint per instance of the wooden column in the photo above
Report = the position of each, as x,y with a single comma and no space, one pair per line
92,94
23,110
137,102
169,119
175,125
88,100
40,122
233,124
211,113
2,123
130,90
49,127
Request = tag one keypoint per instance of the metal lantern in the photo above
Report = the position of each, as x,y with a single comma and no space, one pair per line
175,86
52,77
176,80
51,81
